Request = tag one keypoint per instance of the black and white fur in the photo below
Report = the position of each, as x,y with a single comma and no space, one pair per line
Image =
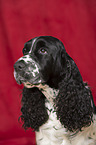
56,103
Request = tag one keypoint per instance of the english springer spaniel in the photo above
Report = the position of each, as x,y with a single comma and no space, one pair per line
56,103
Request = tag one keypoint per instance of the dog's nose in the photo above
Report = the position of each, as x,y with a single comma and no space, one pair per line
19,65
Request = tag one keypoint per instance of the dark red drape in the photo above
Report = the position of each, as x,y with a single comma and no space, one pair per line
72,21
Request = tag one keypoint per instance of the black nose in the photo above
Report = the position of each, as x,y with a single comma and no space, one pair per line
19,65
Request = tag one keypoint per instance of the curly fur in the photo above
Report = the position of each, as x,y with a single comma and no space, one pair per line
74,101
33,109
76,111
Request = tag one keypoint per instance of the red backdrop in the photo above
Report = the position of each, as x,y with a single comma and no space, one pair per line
72,21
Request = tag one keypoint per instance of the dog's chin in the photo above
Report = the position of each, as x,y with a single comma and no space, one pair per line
28,85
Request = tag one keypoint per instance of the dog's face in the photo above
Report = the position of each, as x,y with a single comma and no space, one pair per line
39,61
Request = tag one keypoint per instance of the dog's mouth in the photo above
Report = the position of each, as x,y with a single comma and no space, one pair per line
28,85
28,82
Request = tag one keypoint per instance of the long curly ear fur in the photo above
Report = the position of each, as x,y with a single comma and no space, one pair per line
73,103
34,113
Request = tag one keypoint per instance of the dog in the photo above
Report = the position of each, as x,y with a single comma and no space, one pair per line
56,103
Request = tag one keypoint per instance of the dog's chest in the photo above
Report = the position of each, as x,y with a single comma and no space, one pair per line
52,132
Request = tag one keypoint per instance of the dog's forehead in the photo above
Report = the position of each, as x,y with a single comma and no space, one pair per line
44,41
29,44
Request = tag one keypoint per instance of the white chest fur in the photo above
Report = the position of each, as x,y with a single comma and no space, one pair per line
53,133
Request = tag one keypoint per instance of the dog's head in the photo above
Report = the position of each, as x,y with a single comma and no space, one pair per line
40,61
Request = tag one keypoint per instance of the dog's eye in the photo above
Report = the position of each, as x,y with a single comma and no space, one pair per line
42,51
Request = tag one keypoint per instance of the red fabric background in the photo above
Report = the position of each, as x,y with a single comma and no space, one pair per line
72,21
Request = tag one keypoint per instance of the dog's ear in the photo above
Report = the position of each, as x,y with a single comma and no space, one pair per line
34,113
66,63
63,61
73,103
59,58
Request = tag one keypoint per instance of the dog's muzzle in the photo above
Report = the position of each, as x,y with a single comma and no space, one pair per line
27,71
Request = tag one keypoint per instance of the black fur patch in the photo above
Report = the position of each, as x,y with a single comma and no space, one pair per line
33,109
73,104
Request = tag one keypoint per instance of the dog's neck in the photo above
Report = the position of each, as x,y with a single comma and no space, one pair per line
49,92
